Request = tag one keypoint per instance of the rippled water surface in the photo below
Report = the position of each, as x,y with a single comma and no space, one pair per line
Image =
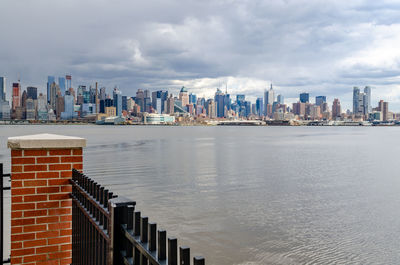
254,195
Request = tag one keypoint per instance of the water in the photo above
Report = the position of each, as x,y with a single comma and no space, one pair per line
254,195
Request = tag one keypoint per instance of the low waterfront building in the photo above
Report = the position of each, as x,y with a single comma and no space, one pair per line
154,118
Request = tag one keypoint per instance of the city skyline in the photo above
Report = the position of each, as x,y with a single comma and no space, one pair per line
322,48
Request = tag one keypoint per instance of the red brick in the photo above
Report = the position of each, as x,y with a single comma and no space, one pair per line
66,247
66,203
47,234
35,183
66,218
35,168
46,205
47,249
35,228
35,258
66,189
47,220
23,191
48,160
23,176
16,214
35,243
16,245
22,206
66,174
66,261
60,167
66,232
58,226
47,190
58,152
76,152
25,221
47,175
16,230
58,182
22,237
16,169
60,211
35,213
59,255
70,159
15,260
15,153
49,262
35,198
37,152
22,252
61,196
59,240
16,184
23,160
15,199
77,166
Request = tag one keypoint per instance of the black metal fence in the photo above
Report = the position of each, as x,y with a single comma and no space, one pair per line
2,189
106,229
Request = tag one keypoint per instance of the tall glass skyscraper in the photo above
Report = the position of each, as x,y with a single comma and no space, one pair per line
2,89
61,83
50,80
304,97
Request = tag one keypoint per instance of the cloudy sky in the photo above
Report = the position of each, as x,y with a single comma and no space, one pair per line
321,47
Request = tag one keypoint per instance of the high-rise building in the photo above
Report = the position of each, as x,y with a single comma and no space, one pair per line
184,96
367,100
259,107
102,93
336,109
31,92
170,105
280,99
69,81
269,98
68,112
299,108
319,100
139,99
16,96
192,98
30,109
362,101
221,101
2,89
42,108
158,100
304,97
117,100
383,107
61,84
54,91
50,81
4,110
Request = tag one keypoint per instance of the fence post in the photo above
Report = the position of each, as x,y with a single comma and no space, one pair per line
118,208
41,207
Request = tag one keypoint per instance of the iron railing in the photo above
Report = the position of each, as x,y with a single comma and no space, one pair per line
107,230
2,188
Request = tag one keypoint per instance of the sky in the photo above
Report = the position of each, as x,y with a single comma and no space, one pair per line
320,47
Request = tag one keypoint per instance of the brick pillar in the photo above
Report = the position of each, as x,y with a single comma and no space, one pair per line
41,208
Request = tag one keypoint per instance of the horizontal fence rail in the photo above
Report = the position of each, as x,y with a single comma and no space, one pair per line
107,230
2,188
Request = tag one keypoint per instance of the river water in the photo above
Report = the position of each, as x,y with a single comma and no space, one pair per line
254,195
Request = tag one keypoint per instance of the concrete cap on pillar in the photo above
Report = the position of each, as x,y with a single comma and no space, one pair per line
45,141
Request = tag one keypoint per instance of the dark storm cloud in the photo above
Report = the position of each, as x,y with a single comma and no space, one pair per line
324,47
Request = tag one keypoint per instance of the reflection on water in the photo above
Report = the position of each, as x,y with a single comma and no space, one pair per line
254,195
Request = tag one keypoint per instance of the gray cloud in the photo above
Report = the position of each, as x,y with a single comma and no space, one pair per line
324,47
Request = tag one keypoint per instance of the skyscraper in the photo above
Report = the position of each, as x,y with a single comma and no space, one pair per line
184,97
61,84
16,95
32,92
50,81
2,89
259,107
280,99
319,100
117,99
336,109
362,101
158,100
269,98
304,97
